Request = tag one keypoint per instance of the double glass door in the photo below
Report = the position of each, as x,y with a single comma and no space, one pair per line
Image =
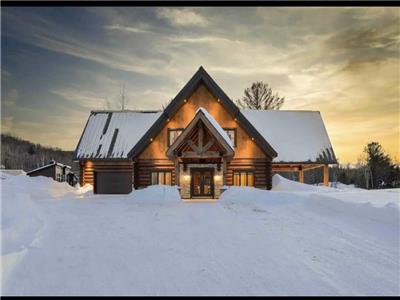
202,182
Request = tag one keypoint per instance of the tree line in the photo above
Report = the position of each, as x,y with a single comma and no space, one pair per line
17,153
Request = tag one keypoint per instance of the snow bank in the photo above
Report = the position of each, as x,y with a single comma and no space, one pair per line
341,243
21,222
39,187
280,183
157,194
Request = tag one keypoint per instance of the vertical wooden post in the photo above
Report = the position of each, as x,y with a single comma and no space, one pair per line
177,172
224,171
326,175
301,175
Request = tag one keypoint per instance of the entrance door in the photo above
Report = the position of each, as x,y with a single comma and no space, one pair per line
202,184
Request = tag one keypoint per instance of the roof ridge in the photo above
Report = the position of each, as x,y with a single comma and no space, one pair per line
126,110
280,110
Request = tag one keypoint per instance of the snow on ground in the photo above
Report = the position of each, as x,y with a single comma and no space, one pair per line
293,240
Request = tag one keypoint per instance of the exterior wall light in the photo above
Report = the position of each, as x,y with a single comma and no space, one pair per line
217,177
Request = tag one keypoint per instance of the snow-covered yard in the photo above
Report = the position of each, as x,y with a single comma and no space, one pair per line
293,240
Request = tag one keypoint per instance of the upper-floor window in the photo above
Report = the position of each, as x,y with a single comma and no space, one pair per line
231,132
173,135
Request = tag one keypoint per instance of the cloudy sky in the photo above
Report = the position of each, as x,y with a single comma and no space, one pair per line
60,63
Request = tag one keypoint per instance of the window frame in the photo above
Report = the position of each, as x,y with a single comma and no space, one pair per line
234,134
158,172
169,134
240,172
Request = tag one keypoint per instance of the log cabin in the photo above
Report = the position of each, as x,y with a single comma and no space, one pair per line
200,142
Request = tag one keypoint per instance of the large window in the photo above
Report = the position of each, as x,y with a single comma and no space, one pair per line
173,135
231,132
243,178
161,177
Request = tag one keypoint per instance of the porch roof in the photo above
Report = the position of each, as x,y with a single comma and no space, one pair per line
212,125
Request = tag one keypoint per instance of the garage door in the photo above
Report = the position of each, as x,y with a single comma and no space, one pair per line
112,182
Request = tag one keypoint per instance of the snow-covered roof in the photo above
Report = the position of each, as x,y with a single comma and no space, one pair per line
112,134
216,125
297,136
49,165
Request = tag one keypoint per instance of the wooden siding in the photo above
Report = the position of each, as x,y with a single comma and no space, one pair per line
87,168
261,168
202,97
144,167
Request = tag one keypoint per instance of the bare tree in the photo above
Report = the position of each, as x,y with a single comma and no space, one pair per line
122,99
259,96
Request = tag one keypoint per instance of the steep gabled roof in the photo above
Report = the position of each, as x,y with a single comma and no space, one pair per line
214,127
111,134
201,76
298,136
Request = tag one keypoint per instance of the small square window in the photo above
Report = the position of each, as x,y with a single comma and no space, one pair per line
231,132
173,135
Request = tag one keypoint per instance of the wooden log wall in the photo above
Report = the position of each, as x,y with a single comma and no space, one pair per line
144,167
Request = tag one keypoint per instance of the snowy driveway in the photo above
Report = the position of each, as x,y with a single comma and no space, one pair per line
274,243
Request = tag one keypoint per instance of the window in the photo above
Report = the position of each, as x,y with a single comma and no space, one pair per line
243,178
231,132
58,177
161,177
173,134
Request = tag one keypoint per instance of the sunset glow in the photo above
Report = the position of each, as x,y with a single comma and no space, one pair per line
58,64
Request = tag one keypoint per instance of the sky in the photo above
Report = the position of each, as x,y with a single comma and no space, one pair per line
58,64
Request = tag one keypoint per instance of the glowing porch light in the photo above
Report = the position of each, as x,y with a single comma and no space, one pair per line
217,177
186,177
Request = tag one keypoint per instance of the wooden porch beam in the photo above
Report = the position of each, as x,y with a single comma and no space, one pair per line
311,167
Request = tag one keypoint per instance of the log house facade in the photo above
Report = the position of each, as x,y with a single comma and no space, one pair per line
200,142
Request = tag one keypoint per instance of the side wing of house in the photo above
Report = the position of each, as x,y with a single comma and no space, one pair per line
103,148
300,138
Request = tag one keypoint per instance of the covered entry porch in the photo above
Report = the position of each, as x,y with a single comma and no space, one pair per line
200,154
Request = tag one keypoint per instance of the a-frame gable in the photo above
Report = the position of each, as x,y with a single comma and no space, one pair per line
201,76
212,126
